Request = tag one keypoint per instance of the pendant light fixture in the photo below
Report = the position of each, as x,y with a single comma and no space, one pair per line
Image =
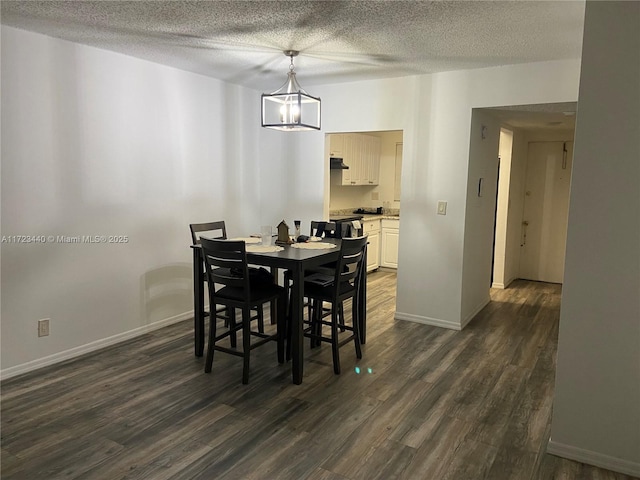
290,108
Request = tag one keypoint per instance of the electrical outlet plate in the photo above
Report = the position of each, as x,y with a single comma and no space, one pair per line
43,327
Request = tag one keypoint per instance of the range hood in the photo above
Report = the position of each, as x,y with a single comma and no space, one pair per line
336,163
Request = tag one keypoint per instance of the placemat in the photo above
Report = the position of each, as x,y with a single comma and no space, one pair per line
315,245
264,248
247,239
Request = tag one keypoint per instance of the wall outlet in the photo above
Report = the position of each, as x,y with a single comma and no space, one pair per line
43,327
375,195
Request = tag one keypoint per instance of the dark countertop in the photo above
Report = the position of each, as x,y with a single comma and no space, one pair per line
345,218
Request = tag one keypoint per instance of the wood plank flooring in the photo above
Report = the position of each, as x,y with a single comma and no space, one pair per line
428,403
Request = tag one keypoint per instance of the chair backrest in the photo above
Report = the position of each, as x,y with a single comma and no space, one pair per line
350,263
214,230
226,263
320,228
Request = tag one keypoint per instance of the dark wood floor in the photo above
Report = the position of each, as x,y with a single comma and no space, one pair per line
428,403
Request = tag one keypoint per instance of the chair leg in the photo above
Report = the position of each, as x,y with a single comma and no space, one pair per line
319,325
261,319
282,327
288,335
316,326
356,329
212,335
246,344
334,340
274,314
233,338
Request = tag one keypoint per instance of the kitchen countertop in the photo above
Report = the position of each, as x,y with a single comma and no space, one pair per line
375,216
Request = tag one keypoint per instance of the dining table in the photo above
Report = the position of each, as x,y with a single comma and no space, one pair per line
297,261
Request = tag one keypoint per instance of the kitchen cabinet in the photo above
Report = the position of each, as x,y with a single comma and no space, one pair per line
371,160
361,153
336,146
372,229
390,229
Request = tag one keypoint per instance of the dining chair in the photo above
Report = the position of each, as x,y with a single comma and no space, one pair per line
218,230
318,229
213,229
226,265
335,289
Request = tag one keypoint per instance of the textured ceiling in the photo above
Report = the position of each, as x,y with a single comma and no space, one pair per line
548,116
242,41
339,41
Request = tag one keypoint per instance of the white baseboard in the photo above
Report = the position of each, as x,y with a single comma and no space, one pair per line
594,458
475,311
436,322
502,286
90,347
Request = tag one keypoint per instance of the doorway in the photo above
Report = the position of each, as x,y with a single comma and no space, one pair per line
532,206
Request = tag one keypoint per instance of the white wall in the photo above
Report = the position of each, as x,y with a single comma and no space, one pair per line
434,112
122,146
596,411
480,210
516,205
97,143
457,93
502,210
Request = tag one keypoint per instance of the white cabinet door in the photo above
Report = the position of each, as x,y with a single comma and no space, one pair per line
373,251
372,229
361,153
390,238
371,157
350,153
336,145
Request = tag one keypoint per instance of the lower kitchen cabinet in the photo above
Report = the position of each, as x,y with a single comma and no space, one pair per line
372,229
390,238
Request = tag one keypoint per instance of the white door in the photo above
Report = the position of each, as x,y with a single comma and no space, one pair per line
546,210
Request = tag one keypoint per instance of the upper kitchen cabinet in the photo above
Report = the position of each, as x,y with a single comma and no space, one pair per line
361,153
336,145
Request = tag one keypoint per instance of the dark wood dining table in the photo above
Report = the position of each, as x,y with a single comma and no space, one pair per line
297,260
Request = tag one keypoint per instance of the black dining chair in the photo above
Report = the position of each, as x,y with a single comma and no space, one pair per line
323,229
218,230
335,289
318,229
226,265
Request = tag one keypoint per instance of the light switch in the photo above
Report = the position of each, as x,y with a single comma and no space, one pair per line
442,208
